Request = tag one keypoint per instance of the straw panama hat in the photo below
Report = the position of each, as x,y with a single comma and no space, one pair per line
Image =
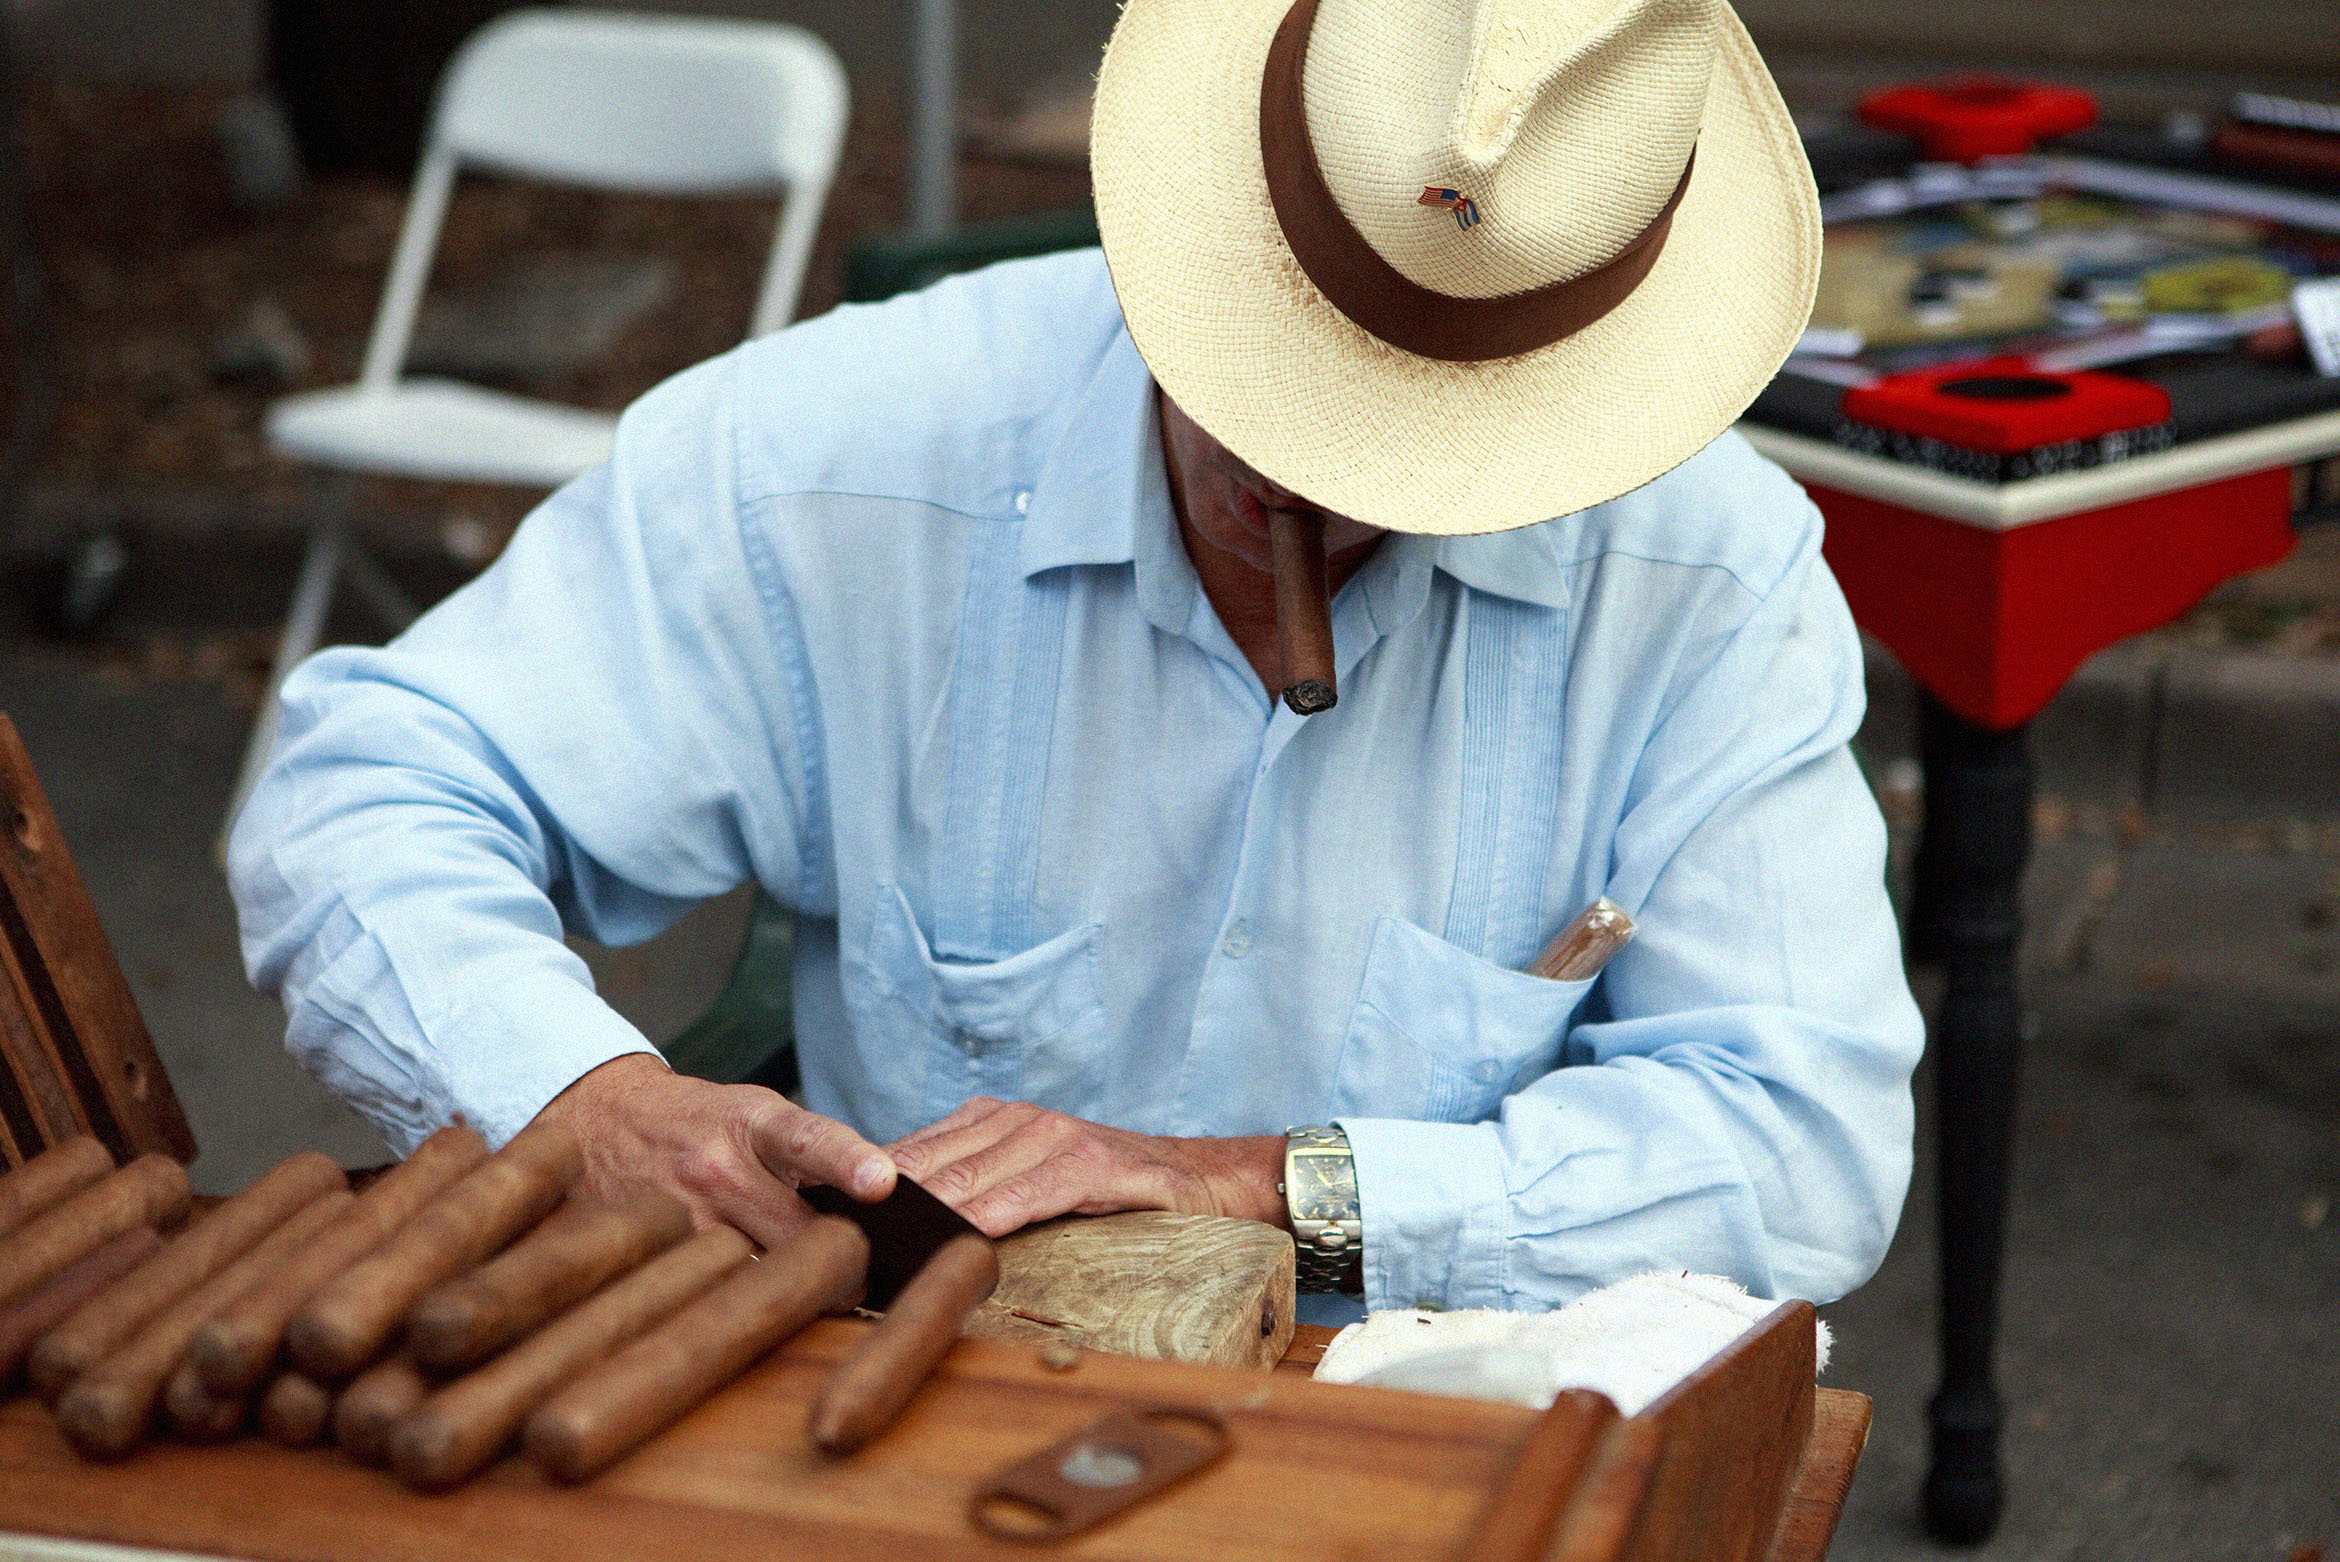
1564,302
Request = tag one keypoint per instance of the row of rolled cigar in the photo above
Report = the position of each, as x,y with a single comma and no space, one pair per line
460,1303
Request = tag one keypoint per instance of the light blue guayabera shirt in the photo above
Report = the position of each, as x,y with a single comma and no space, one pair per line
889,612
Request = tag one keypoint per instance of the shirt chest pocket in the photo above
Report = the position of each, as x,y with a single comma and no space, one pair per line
1440,1035
1026,1028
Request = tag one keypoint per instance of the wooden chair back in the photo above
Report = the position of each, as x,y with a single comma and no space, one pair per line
75,1057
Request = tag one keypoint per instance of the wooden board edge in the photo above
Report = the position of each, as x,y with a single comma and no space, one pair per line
1734,1431
1604,1514
1823,1477
60,943
2007,506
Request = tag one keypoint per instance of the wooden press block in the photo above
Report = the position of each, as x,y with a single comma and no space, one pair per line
1192,1288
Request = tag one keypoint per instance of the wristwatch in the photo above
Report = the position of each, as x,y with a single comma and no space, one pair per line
1320,1190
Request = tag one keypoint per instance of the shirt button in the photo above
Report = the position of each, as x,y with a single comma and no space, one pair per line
1023,500
1237,943
1487,1073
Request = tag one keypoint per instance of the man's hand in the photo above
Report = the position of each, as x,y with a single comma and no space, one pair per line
734,1153
1005,1164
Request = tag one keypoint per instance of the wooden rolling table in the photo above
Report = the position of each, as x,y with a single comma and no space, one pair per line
1320,1470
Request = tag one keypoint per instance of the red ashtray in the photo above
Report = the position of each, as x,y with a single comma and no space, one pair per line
1998,420
1972,117
2003,405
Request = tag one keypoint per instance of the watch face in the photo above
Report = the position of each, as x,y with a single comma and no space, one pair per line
1323,1186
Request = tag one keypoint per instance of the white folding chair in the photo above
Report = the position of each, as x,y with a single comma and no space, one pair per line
612,101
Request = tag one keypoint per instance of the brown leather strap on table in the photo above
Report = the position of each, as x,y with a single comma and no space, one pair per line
1358,282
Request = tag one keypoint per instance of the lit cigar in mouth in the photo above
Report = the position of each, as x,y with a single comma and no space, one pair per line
1304,638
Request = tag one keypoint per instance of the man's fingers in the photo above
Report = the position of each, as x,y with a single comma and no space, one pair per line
958,1182
1064,1183
798,1146
924,1158
724,1184
972,1110
768,1221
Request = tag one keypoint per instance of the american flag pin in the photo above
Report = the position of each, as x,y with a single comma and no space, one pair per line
1466,210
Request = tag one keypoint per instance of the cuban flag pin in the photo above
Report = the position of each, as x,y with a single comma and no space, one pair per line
1466,210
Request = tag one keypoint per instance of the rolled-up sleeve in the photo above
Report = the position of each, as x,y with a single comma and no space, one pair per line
602,730
1735,1095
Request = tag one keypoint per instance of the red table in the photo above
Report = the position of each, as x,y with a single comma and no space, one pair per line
1992,595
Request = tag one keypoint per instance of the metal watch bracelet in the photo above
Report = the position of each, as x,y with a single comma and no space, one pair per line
1320,1194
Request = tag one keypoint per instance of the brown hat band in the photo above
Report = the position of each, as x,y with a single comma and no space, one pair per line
1375,294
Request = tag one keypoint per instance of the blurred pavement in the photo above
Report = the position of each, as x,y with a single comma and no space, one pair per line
2170,1333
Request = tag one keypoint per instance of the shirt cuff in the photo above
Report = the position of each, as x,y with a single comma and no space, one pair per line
1433,1203
536,1037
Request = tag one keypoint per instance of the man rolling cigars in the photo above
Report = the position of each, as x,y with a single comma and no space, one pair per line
1189,696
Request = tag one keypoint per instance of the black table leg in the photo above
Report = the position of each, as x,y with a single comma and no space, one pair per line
1967,916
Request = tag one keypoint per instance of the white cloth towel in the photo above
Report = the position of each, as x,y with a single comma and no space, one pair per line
1631,1341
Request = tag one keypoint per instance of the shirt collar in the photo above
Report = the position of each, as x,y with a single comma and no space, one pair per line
1522,565
1102,489
1103,474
